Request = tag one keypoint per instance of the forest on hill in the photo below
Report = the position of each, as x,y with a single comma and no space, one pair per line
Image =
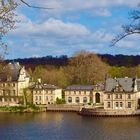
82,68
112,60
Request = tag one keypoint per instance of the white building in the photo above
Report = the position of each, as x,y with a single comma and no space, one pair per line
44,94
13,79
122,94
83,94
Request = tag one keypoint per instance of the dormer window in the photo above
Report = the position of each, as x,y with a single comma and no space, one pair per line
9,78
118,88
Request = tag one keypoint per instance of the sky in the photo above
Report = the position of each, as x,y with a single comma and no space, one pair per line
71,26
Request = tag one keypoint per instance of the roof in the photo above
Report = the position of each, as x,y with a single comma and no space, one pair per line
127,84
11,72
43,86
138,84
80,87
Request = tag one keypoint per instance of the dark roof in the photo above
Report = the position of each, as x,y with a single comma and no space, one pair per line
11,72
43,86
138,84
127,84
80,87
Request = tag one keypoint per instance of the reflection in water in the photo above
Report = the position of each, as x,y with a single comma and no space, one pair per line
66,126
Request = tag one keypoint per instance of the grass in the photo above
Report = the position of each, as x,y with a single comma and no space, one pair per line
21,108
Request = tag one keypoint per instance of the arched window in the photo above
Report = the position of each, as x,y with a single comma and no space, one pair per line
77,100
85,100
70,99
97,96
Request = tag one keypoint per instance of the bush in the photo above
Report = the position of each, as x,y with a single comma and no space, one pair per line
60,101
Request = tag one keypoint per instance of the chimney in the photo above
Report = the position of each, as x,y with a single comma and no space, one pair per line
17,63
135,88
39,80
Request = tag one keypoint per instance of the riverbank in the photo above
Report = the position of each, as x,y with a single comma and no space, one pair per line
97,112
22,108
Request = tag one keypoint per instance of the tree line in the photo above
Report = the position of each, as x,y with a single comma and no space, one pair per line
83,68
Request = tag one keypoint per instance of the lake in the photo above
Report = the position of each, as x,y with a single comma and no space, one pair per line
66,126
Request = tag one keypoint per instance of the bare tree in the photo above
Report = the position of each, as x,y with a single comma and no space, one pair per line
7,20
129,29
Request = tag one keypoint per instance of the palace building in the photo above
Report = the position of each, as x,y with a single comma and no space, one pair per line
83,94
13,80
44,94
122,94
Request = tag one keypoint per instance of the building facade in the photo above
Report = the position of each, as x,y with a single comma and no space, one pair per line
83,94
121,94
13,80
44,94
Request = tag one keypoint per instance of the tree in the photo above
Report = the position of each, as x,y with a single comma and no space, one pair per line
129,29
86,68
7,20
60,101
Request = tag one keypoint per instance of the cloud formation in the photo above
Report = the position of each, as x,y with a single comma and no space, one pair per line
71,26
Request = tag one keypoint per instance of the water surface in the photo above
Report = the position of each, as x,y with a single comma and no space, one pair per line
66,126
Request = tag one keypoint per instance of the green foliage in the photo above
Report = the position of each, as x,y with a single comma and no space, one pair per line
125,71
60,101
28,108
84,68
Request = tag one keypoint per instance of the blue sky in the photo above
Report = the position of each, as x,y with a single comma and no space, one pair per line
71,26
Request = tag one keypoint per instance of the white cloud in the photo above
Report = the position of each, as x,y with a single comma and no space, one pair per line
75,5
101,12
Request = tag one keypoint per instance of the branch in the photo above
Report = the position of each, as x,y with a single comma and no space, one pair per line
132,28
31,6
121,36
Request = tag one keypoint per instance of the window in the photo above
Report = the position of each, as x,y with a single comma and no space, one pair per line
10,100
85,92
129,104
4,92
85,100
116,96
39,98
14,92
8,84
129,96
36,97
70,99
120,96
77,99
121,104
51,98
46,98
75,92
117,105
108,96
108,104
